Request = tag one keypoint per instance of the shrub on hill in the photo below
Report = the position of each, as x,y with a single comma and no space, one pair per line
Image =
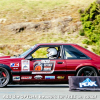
90,18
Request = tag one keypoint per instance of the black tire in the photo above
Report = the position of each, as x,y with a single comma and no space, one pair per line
4,77
87,71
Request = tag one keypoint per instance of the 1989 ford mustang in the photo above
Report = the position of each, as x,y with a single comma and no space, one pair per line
50,63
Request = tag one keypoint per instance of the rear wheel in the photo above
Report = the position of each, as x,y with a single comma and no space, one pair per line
4,77
87,71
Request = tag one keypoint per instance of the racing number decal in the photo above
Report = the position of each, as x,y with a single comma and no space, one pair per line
43,66
38,68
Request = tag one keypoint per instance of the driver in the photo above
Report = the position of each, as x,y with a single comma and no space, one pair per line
52,53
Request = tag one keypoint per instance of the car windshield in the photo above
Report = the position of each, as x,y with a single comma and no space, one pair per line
26,52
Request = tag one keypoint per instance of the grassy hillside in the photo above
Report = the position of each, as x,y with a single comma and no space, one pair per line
32,10
16,11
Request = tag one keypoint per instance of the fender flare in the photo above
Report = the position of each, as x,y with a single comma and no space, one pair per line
6,67
83,65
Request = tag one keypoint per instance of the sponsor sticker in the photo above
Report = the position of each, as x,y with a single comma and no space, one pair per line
47,64
49,77
87,83
26,77
60,77
38,77
14,64
15,68
25,65
47,68
45,61
16,78
41,72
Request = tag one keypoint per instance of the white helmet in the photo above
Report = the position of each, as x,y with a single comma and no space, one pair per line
51,52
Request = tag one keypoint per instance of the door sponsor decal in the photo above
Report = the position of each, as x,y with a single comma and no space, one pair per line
16,78
26,77
38,77
43,67
25,65
60,77
14,64
49,77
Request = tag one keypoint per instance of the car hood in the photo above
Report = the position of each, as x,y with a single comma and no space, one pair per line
7,59
4,57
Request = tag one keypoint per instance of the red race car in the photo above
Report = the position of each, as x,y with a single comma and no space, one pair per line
49,63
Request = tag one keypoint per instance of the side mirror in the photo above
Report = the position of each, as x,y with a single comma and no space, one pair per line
29,57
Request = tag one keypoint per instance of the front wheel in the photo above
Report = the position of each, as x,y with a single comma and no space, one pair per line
87,71
4,77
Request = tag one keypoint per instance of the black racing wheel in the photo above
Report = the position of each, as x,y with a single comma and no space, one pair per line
87,71
4,77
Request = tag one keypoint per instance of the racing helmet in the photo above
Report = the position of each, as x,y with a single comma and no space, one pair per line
52,52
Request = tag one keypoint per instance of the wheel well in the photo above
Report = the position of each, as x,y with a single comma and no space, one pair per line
9,73
88,66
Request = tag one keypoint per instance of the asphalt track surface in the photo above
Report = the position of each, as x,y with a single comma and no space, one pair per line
45,92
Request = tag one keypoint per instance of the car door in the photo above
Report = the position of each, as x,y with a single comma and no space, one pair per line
44,69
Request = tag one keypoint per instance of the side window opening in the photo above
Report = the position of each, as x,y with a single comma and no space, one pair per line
42,52
72,53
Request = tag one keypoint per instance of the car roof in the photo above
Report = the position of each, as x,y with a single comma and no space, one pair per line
56,44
